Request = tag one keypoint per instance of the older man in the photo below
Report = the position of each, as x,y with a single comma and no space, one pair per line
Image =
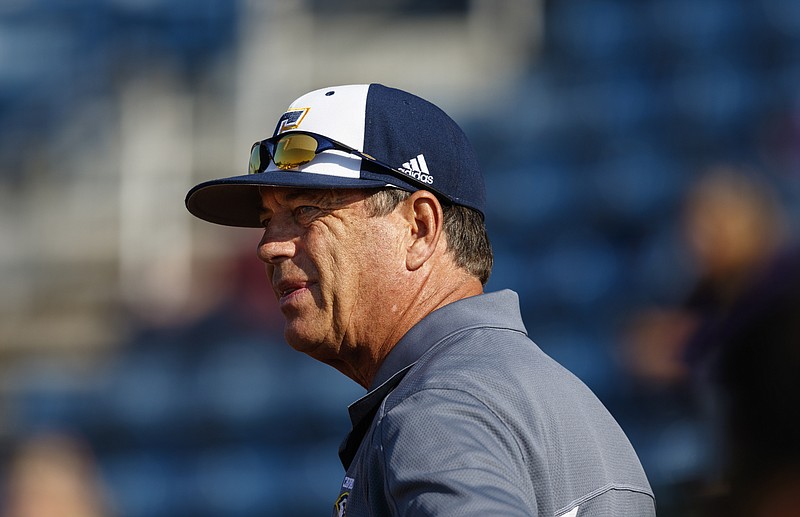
372,202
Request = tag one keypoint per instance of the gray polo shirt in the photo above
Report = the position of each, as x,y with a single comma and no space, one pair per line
467,416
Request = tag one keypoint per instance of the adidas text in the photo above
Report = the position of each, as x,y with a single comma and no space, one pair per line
418,169
419,176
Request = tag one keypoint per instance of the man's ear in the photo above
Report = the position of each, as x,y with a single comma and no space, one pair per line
425,216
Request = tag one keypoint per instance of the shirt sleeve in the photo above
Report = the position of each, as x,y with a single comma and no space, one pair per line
445,453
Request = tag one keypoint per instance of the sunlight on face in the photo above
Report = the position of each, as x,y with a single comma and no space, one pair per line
332,266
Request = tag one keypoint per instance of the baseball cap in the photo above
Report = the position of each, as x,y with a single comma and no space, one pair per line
365,136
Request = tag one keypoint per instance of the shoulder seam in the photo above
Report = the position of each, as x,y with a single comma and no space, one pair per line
602,490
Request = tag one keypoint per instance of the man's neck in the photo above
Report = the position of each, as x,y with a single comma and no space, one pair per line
426,300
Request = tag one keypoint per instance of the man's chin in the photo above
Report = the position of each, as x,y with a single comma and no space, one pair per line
299,340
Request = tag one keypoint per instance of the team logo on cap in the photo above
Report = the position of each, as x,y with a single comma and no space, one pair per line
291,119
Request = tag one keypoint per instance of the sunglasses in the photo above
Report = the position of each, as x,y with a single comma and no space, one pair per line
294,149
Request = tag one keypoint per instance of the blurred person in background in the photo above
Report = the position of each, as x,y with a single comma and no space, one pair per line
54,476
735,229
746,347
752,356
732,228
735,340
372,202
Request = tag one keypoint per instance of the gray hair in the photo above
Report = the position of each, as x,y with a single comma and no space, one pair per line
464,230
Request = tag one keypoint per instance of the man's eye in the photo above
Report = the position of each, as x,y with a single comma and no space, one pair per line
305,213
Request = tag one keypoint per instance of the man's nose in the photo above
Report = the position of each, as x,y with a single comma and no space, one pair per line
277,243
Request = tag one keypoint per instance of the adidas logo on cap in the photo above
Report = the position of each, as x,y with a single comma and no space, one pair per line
418,169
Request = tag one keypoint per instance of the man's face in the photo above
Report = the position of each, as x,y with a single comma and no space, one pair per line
332,266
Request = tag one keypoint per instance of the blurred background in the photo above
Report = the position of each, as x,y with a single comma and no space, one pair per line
643,173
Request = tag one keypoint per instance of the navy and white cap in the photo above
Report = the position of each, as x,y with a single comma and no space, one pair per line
398,129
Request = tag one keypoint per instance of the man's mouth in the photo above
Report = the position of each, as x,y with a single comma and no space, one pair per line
286,290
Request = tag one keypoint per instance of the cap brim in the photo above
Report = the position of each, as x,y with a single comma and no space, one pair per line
236,201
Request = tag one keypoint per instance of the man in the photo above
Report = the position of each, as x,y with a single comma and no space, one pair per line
372,202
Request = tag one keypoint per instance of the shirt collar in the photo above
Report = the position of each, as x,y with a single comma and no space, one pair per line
498,309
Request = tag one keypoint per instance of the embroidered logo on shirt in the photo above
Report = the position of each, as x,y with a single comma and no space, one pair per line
341,505
348,482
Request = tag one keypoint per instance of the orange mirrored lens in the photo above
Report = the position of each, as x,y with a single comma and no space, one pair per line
294,150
